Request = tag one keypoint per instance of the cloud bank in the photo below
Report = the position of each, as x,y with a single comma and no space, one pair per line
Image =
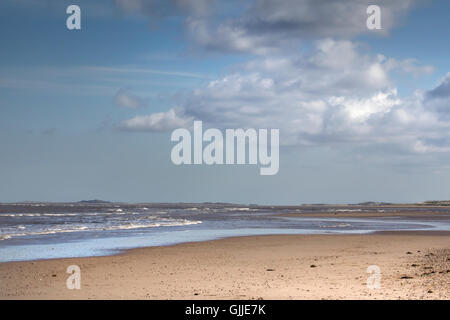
266,26
333,94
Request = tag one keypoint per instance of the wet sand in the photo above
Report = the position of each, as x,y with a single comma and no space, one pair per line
413,266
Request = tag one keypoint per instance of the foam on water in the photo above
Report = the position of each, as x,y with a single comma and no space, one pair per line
30,232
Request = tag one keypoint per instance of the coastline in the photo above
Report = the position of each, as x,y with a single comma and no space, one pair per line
360,214
414,265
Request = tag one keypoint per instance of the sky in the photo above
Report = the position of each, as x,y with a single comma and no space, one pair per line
364,115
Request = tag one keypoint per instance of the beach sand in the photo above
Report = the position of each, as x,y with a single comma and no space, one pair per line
413,266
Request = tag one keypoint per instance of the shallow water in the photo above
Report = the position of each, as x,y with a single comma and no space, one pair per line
43,231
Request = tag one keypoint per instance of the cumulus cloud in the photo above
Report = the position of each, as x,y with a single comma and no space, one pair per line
331,96
334,94
124,98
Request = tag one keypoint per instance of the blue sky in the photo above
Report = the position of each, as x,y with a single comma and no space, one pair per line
354,126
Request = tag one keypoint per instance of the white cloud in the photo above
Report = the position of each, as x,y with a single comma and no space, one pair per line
331,96
161,121
360,110
409,66
124,98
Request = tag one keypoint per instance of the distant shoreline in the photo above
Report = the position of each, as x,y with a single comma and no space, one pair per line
99,203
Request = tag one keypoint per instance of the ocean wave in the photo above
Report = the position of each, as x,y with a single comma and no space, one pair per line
152,225
238,209
162,223
338,225
355,210
38,214
20,215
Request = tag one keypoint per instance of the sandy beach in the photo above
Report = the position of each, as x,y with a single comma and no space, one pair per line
413,266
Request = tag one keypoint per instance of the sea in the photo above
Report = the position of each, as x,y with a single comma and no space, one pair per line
35,231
